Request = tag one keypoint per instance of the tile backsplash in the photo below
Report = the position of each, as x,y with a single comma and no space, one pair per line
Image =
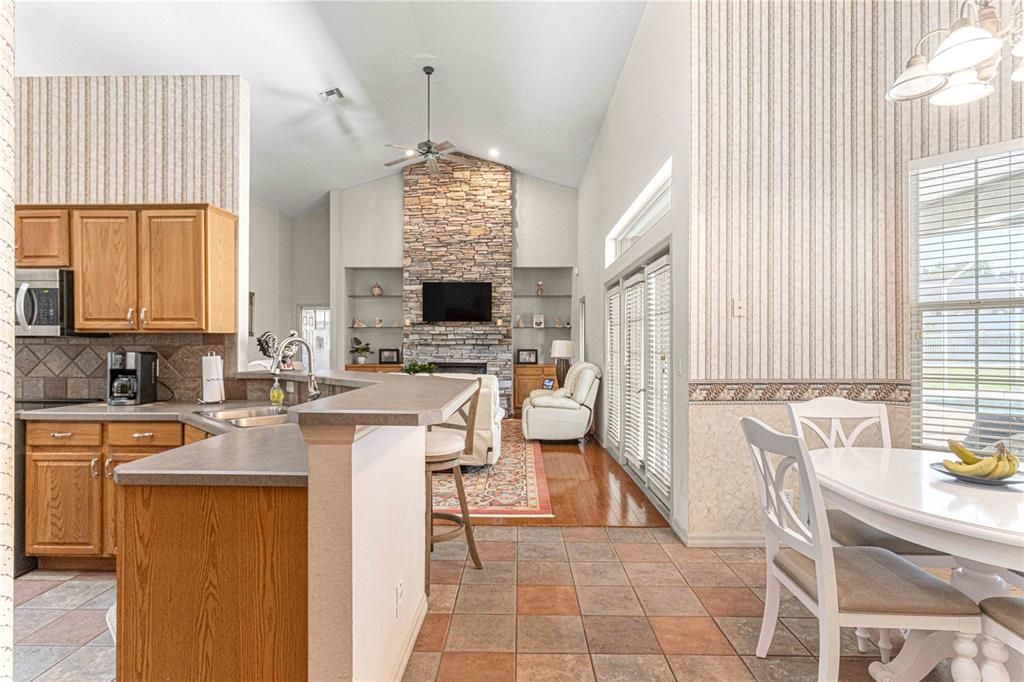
74,367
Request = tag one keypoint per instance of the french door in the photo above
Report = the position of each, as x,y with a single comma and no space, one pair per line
639,317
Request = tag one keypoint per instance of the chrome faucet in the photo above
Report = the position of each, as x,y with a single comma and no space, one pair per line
275,367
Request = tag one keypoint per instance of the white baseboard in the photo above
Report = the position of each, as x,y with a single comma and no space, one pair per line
723,539
410,642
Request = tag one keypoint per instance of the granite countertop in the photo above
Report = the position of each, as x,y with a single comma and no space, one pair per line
271,455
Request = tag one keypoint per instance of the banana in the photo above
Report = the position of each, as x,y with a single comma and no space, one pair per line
981,469
1014,464
1002,468
965,455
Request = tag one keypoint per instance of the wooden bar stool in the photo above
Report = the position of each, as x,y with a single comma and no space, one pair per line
444,449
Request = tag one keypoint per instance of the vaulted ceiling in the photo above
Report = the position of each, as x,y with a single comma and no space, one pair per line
532,79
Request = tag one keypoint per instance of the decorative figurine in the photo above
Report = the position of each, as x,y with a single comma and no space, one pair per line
558,322
519,321
376,289
358,324
379,322
540,288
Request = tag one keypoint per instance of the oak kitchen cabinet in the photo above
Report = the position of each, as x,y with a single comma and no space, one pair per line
159,269
70,494
42,238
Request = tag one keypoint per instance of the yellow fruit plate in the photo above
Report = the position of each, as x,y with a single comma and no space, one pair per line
1016,478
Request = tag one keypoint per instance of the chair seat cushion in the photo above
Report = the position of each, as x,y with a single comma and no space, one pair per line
849,531
1007,611
875,580
445,442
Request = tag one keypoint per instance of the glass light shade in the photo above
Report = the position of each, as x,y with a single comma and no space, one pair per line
1018,74
915,81
562,349
965,46
963,87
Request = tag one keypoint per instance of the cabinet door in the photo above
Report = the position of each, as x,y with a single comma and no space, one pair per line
63,503
110,491
171,273
104,246
41,238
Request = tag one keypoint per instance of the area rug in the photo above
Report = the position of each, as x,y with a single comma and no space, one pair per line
514,486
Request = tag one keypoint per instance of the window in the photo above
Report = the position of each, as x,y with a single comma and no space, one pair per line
967,295
633,374
613,363
658,377
652,204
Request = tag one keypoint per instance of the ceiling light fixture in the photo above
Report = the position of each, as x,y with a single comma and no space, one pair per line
493,152
966,61
330,94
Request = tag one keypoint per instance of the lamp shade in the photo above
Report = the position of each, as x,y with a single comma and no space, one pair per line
915,81
562,349
963,87
965,46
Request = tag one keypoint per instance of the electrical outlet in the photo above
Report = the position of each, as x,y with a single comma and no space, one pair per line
739,307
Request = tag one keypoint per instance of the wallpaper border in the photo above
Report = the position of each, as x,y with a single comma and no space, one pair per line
893,392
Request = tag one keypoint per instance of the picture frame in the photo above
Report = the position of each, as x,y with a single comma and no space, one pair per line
389,356
527,356
538,321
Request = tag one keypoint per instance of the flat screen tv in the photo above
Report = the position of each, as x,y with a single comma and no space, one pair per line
456,301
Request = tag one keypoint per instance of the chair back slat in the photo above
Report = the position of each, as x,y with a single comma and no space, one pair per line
473,402
774,455
833,411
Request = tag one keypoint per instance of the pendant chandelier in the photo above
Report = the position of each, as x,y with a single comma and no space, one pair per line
966,61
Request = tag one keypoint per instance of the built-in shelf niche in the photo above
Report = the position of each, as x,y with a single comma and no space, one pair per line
556,301
361,303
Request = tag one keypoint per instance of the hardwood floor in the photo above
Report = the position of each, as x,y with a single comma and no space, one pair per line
588,488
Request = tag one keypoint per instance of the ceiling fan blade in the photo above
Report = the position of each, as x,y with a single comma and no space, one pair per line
402,147
433,166
445,146
401,160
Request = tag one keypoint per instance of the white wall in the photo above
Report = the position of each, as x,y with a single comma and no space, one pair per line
646,123
311,258
270,271
544,223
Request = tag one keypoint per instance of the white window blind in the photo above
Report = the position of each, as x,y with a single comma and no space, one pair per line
613,365
633,374
657,382
967,294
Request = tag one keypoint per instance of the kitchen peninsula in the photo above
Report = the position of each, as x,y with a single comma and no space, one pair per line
238,554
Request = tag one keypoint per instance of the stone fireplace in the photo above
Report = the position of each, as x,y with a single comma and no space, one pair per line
458,228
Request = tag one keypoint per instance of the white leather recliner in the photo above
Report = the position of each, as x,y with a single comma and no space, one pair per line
567,413
487,439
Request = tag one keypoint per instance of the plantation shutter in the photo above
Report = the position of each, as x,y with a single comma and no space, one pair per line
658,377
613,365
967,300
633,373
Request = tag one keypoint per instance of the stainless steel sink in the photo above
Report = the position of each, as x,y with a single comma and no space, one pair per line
246,417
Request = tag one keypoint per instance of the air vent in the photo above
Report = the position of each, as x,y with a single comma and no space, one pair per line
327,96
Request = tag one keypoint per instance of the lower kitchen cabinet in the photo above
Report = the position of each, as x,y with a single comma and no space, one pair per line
63,502
70,494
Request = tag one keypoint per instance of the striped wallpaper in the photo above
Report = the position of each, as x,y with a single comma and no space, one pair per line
128,139
799,191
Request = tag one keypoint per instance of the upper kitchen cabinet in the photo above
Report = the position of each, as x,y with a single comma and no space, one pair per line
155,269
41,238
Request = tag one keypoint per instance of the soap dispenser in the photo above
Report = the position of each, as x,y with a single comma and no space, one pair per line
276,394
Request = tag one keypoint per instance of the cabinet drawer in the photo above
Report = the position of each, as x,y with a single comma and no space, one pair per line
62,433
530,371
137,434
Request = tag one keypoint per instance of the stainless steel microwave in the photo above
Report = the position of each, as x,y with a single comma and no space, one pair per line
44,302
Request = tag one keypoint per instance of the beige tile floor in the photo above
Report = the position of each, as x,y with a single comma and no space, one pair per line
60,628
624,604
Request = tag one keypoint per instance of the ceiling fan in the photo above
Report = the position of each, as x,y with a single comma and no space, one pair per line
428,150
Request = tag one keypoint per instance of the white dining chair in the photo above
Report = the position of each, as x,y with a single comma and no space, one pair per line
858,587
1002,626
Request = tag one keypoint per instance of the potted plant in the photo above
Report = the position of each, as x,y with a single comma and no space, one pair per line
360,350
414,367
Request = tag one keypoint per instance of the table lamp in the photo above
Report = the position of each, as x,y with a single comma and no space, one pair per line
562,351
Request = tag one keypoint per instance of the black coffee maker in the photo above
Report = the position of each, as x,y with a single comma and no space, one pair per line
131,377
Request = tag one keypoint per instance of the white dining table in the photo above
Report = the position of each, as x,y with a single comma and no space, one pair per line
894,490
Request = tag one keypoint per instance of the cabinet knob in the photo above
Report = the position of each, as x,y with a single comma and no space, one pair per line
142,317
60,434
131,315
108,468
145,434
94,467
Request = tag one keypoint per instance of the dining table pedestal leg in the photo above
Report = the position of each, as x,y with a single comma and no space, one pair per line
924,650
977,580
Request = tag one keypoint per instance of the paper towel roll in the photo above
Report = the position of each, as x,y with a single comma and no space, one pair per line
213,378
